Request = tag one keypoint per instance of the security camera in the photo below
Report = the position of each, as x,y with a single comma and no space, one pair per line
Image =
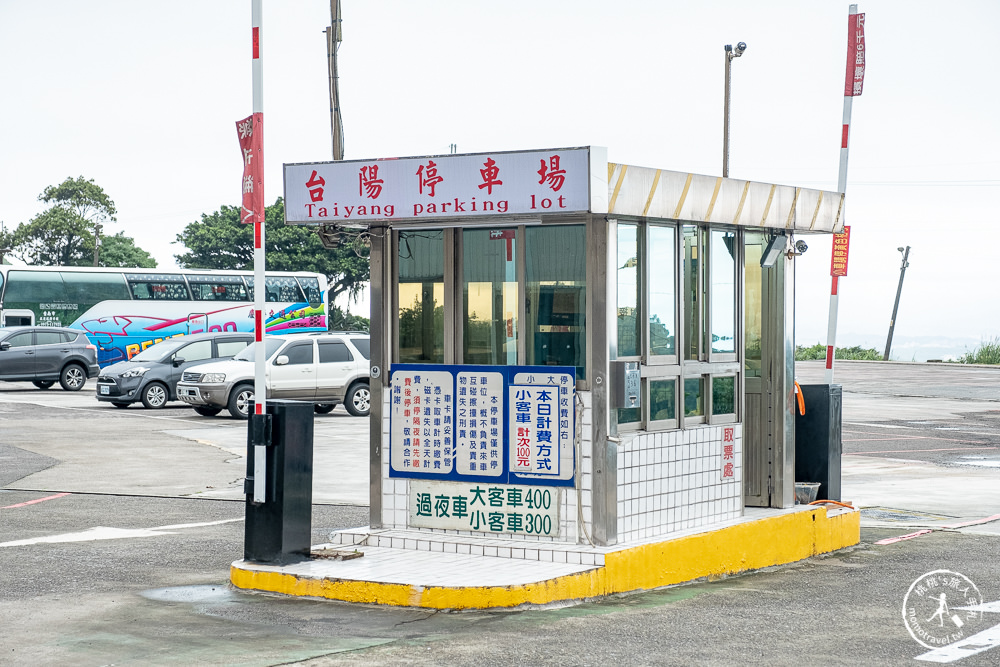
740,48
801,247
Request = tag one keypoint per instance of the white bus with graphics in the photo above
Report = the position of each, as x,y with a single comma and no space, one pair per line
124,311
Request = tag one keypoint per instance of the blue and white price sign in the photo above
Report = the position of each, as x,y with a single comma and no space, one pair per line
502,424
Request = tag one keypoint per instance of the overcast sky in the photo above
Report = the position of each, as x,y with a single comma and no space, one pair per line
143,98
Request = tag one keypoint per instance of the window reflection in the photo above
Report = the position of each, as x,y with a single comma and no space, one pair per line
723,395
662,402
694,390
490,303
723,269
556,286
661,291
629,339
752,298
694,316
421,297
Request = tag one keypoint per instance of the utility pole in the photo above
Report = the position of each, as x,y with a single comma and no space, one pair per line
895,308
97,244
333,39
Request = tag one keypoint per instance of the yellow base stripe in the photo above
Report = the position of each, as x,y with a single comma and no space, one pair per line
747,546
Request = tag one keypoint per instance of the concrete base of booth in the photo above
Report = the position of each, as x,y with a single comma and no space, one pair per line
444,571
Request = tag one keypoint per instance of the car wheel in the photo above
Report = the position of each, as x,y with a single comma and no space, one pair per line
239,401
323,408
207,412
120,405
43,384
359,400
155,395
73,377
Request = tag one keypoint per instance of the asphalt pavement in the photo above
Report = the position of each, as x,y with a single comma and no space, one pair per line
117,528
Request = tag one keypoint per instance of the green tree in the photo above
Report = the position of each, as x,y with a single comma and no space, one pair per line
221,241
63,234
120,250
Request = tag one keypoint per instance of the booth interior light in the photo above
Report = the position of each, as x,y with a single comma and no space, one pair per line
774,249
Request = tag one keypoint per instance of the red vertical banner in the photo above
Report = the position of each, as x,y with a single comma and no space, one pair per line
841,245
250,131
855,79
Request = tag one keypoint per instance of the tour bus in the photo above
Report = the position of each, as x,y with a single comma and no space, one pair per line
124,311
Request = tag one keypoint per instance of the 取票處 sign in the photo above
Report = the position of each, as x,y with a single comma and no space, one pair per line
485,508
500,424
443,186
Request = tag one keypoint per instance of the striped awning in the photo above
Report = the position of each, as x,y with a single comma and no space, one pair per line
674,195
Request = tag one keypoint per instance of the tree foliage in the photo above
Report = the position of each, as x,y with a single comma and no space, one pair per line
221,241
120,250
63,234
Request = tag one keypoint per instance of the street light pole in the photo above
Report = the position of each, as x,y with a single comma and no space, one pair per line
895,308
730,54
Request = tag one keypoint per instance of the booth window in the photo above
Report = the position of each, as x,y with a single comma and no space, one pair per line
556,296
629,284
662,294
677,297
694,393
724,395
694,292
420,297
723,291
490,296
752,300
662,400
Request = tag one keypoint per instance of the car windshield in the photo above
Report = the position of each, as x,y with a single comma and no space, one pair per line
249,353
160,351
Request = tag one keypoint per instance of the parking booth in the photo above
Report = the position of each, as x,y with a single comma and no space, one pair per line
569,353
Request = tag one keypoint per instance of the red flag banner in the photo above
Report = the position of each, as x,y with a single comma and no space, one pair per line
855,80
250,131
841,245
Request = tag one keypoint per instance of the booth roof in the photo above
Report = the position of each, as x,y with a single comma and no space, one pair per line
674,195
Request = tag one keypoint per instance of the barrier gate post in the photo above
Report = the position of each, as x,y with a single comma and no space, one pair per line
279,529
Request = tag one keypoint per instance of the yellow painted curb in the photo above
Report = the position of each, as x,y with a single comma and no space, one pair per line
775,540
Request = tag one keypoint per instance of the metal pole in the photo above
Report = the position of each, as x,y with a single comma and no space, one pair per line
260,288
845,138
895,307
333,39
97,244
725,114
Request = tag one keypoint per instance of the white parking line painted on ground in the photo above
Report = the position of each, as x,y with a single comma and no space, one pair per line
974,645
105,533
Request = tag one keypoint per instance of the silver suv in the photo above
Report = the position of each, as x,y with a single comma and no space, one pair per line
324,368
151,376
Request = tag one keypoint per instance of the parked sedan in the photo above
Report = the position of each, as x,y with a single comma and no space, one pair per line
323,368
151,376
46,355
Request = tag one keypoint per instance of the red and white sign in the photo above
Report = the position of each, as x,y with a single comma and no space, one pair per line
841,245
855,55
444,186
250,132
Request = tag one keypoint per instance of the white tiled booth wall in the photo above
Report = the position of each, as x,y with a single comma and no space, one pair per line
395,491
674,481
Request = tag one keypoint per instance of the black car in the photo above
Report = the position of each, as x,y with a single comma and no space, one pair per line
46,355
151,376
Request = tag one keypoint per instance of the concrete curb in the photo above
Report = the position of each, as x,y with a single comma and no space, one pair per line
753,545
